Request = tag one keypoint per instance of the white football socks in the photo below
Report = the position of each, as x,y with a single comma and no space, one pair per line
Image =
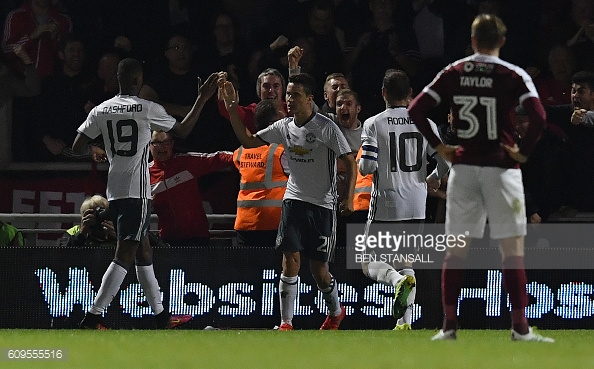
406,318
287,288
110,285
331,297
383,273
150,286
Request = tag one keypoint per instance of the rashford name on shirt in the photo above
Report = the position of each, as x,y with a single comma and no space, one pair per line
134,108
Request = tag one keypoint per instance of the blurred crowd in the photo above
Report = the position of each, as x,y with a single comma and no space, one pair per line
61,57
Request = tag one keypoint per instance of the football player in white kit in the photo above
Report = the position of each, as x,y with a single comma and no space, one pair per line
125,122
395,152
308,218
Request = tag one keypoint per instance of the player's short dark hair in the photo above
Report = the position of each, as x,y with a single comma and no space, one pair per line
265,112
396,84
488,30
304,80
268,72
128,70
584,77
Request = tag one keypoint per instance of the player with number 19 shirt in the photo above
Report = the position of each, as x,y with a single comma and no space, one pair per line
396,153
126,122
482,90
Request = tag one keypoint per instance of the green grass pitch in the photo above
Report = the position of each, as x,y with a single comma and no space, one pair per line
298,349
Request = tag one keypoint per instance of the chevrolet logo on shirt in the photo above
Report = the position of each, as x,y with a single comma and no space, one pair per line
298,150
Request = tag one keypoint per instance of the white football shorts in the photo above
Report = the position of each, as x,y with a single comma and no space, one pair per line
477,193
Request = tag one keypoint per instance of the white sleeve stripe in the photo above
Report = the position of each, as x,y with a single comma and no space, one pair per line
433,94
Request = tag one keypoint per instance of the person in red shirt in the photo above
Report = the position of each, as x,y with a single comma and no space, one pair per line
38,27
270,85
176,196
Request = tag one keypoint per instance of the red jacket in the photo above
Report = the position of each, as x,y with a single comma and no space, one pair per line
246,113
20,23
176,197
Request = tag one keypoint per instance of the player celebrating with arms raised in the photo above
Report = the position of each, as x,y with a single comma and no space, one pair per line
308,216
485,179
125,122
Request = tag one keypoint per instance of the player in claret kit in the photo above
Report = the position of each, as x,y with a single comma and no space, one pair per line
125,122
485,181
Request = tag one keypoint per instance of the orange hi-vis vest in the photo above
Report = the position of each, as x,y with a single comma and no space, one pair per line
362,195
262,187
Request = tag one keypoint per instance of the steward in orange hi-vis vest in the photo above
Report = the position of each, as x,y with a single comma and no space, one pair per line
262,187
362,189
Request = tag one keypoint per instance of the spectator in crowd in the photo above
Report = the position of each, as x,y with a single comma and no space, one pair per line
226,52
555,88
579,163
174,186
351,17
105,86
396,155
95,228
39,28
62,102
327,39
264,173
125,123
582,41
270,85
333,84
10,235
485,180
312,142
173,85
386,45
12,85
346,116
544,174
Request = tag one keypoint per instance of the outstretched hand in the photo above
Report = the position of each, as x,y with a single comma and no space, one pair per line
433,182
346,208
98,154
514,152
209,87
228,93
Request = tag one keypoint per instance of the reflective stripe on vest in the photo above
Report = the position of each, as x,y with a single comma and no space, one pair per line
363,189
259,203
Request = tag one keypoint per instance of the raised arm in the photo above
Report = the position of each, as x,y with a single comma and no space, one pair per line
182,129
244,135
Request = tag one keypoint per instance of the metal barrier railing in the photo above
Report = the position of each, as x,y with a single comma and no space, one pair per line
29,224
